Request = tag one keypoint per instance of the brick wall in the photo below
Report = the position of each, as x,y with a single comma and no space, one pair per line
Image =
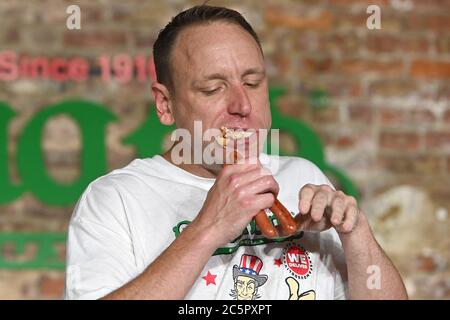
387,121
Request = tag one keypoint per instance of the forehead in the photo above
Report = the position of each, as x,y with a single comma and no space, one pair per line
216,45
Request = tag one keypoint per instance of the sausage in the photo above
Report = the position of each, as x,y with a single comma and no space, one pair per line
285,220
264,224
287,223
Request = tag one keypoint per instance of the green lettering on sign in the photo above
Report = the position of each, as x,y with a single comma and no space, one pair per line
8,190
43,250
92,120
32,250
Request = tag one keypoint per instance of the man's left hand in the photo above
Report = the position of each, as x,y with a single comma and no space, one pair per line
321,207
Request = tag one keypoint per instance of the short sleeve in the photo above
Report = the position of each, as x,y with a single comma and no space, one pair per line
100,255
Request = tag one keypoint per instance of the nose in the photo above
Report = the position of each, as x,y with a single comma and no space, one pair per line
239,102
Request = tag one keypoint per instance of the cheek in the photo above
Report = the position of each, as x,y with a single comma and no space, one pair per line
261,105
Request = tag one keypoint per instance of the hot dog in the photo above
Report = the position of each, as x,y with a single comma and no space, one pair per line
286,221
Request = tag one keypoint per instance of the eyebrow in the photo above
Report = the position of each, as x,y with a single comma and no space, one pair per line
221,76
254,71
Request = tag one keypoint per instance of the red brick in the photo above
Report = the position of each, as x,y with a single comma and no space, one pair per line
144,39
97,39
288,144
442,91
11,36
282,62
343,87
447,116
350,21
51,287
324,134
392,87
306,42
345,141
421,116
394,43
380,3
425,263
438,140
391,116
361,113
439,23
430,69
317,65
44,37
344,43
278,18
407,164
329,115
359,67
427,22
292,106
91,14
55,14
120,12
340,140
400,140
430,5
443,44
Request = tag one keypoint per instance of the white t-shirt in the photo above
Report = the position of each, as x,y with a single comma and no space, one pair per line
127,218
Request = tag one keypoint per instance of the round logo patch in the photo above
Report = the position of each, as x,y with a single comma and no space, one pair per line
297,261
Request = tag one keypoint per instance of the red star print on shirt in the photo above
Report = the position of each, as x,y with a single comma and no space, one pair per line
277,262
210,278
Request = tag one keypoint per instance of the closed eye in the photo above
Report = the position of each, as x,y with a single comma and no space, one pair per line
210,92
252,84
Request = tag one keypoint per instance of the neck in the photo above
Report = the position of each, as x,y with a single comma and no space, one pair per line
200,170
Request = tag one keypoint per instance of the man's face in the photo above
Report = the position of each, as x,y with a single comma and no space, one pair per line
219,78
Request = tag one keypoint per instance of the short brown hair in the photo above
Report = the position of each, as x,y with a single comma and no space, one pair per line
195,15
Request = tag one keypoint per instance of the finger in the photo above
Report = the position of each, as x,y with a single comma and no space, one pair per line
251,174
302,221
228,170
260,202
261,185
237,175
306,195
350,219
338,209
319,203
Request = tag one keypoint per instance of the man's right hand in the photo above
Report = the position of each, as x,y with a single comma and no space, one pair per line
239,193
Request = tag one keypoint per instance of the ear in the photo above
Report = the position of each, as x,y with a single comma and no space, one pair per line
163,103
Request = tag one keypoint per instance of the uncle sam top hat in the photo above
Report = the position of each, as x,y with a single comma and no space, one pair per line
250,267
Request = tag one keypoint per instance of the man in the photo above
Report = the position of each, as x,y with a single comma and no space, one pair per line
163,229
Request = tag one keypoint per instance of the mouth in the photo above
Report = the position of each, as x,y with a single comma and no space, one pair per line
228,134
